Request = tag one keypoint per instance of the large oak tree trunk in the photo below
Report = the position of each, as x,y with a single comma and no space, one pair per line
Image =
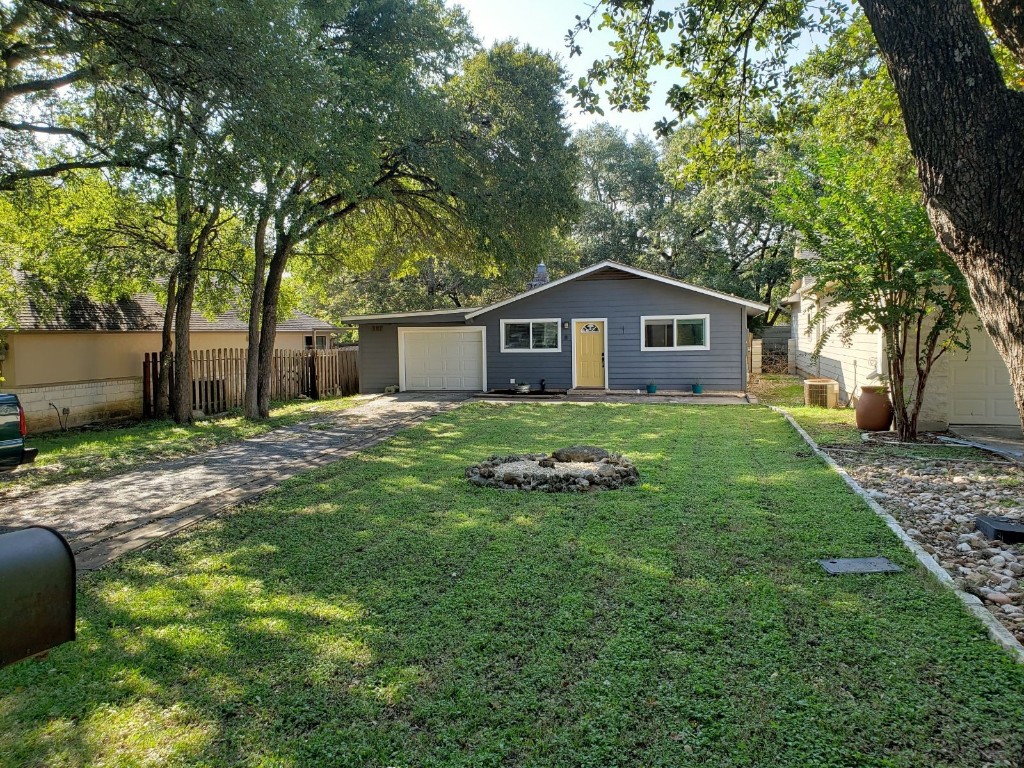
268,321
162,406
966,130
181,396
251,402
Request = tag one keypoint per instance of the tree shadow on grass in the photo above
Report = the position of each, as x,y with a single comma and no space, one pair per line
381,611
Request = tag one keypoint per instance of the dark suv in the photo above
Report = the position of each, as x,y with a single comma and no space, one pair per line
13,452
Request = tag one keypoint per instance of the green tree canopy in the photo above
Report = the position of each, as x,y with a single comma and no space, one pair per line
955,70
853,198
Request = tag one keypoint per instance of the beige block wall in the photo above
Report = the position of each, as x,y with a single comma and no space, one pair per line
97,376
45,358
86,402
291,339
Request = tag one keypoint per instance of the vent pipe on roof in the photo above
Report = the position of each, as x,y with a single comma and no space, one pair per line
540,277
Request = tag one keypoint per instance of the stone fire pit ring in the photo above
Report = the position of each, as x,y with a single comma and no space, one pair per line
577,469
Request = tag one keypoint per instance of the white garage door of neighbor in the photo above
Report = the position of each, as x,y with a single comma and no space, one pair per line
443,360
979,386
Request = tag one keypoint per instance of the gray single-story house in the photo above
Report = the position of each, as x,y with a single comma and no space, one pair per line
609,326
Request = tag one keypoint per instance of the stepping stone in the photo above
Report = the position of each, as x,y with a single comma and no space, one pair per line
842,565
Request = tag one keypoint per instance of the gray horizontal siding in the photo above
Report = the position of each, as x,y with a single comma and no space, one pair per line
378,357
622,302
378,352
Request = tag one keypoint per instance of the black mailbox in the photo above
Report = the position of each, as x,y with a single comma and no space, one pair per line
37,593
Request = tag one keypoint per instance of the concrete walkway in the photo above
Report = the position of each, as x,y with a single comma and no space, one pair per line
624,396
107,517
1008,441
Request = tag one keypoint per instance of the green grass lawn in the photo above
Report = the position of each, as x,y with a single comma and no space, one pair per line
83,453
828,426
382,612
836,427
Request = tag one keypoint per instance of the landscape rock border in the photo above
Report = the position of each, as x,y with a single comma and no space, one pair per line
996,629
577,469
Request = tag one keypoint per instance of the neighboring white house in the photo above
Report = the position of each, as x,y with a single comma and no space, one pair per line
963,388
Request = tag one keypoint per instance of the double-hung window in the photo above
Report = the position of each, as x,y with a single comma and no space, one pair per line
679,332
531,335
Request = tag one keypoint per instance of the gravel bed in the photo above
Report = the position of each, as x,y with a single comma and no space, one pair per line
574,468
936,502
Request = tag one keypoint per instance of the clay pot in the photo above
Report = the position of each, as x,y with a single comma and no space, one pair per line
874,411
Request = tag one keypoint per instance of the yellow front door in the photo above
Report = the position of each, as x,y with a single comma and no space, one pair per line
589,353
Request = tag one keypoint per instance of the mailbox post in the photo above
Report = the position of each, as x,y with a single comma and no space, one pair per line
37,593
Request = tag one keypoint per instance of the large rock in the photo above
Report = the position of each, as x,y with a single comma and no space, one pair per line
580,453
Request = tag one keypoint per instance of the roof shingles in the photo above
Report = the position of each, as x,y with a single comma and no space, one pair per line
139,313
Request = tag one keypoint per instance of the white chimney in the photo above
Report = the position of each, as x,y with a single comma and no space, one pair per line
540,277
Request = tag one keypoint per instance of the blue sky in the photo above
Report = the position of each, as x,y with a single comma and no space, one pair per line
543,24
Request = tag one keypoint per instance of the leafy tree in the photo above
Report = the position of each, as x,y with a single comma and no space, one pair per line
736,242
91,235
61,60
854,199
78,237
430,282
663,209
479,156
159,90
625,198
961,113
200,165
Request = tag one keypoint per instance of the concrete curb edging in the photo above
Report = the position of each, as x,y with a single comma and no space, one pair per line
996,631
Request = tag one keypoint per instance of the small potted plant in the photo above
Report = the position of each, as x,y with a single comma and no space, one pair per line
651,387
698,388
523,387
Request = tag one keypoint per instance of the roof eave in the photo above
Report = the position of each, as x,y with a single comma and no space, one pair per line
608,263
463,311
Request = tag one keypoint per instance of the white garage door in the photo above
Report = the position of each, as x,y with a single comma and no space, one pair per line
979,386
449,359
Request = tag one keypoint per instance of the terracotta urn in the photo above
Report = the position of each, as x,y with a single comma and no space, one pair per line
874,411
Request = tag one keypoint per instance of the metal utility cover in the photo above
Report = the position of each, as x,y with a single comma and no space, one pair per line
841,565
1010,531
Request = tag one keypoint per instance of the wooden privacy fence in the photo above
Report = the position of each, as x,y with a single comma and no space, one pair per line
218,376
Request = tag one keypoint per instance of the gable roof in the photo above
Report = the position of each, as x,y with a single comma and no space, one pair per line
608,264
141,312
457,313
468,313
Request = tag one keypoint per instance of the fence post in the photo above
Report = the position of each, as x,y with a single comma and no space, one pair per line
314,383
147,389
155,364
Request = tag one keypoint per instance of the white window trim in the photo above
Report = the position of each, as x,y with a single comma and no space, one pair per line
558,325
703,348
